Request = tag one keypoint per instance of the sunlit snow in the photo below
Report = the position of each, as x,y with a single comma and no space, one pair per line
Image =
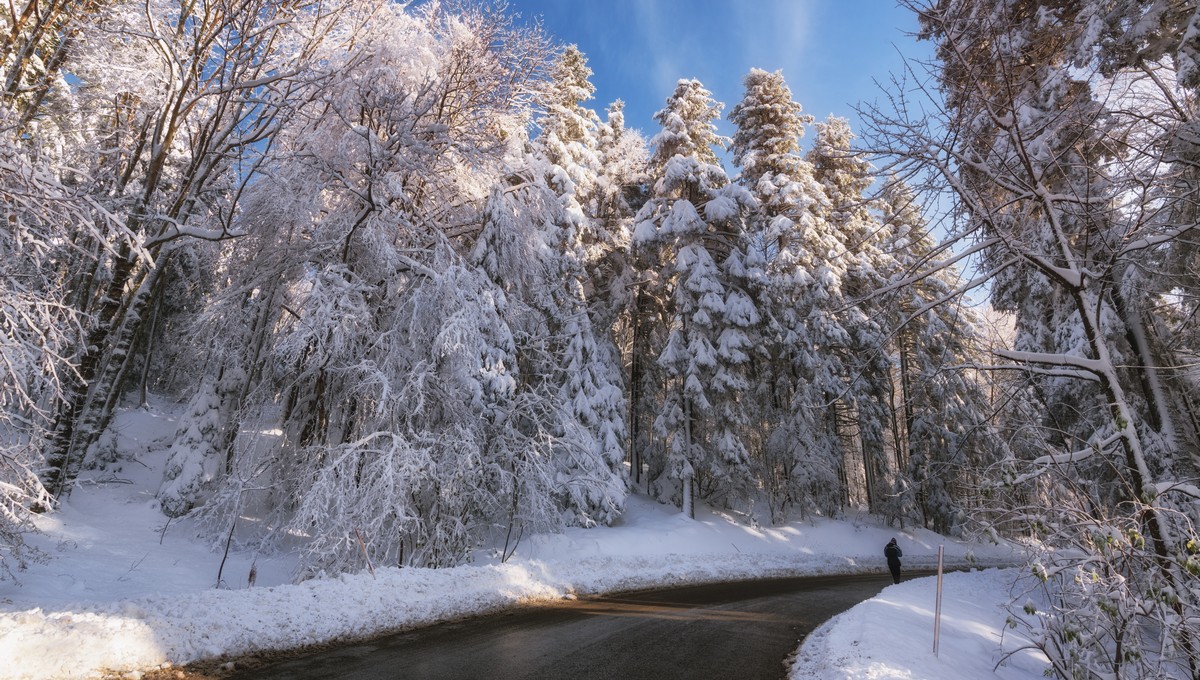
120,593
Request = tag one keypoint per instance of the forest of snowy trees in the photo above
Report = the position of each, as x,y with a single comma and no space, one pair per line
408,287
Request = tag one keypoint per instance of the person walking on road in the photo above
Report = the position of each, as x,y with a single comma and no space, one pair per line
893,554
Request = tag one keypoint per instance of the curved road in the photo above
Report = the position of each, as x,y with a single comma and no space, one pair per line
729,630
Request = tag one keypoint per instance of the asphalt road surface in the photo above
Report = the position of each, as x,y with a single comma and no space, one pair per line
731,630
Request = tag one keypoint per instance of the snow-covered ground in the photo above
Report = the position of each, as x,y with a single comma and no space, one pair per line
890,636
119,593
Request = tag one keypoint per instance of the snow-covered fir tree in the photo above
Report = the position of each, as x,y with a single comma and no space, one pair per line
860,409
703,447
943,441
797,293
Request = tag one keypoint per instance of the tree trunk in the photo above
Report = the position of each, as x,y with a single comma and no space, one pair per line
148,354
688,507
106,389
635,390
1161,540
1158,414
63,459
868,471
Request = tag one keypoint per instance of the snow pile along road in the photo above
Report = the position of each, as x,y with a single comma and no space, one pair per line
155,630
890,636
123,591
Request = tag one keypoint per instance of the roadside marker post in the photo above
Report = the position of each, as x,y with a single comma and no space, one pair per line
937,608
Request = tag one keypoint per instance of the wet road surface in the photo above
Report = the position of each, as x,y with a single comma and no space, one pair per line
730,630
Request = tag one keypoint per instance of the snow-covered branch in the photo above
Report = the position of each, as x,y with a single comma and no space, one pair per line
1090,366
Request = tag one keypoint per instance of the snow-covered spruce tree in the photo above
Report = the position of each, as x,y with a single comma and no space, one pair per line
1067,157
590,165
799,298
581,249
620,193
766,148
861,409
194,459
568,145
591,485
623,160
737,443
568,137
615,290
942,438
701,359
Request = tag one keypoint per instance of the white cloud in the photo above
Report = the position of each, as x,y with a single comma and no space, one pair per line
717,41
774,34
663,33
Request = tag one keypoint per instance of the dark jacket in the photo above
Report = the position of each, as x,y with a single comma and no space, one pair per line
892,552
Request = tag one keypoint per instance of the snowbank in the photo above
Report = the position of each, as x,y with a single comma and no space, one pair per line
122,590
890,637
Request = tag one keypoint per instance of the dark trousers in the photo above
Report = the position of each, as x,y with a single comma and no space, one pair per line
894,565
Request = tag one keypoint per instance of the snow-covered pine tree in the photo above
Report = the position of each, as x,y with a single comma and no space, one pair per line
861,408
591,485
693,292
689,359
943,439
787,248
804,453
568,145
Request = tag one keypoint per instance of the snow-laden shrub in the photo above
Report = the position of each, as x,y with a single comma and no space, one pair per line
1108,610
194,459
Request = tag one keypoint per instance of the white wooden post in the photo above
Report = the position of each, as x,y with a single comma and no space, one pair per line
937,609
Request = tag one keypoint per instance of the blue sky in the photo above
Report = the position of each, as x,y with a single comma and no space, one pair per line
830,51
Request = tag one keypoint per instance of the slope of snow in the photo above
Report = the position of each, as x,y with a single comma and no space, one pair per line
891,635
120,593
